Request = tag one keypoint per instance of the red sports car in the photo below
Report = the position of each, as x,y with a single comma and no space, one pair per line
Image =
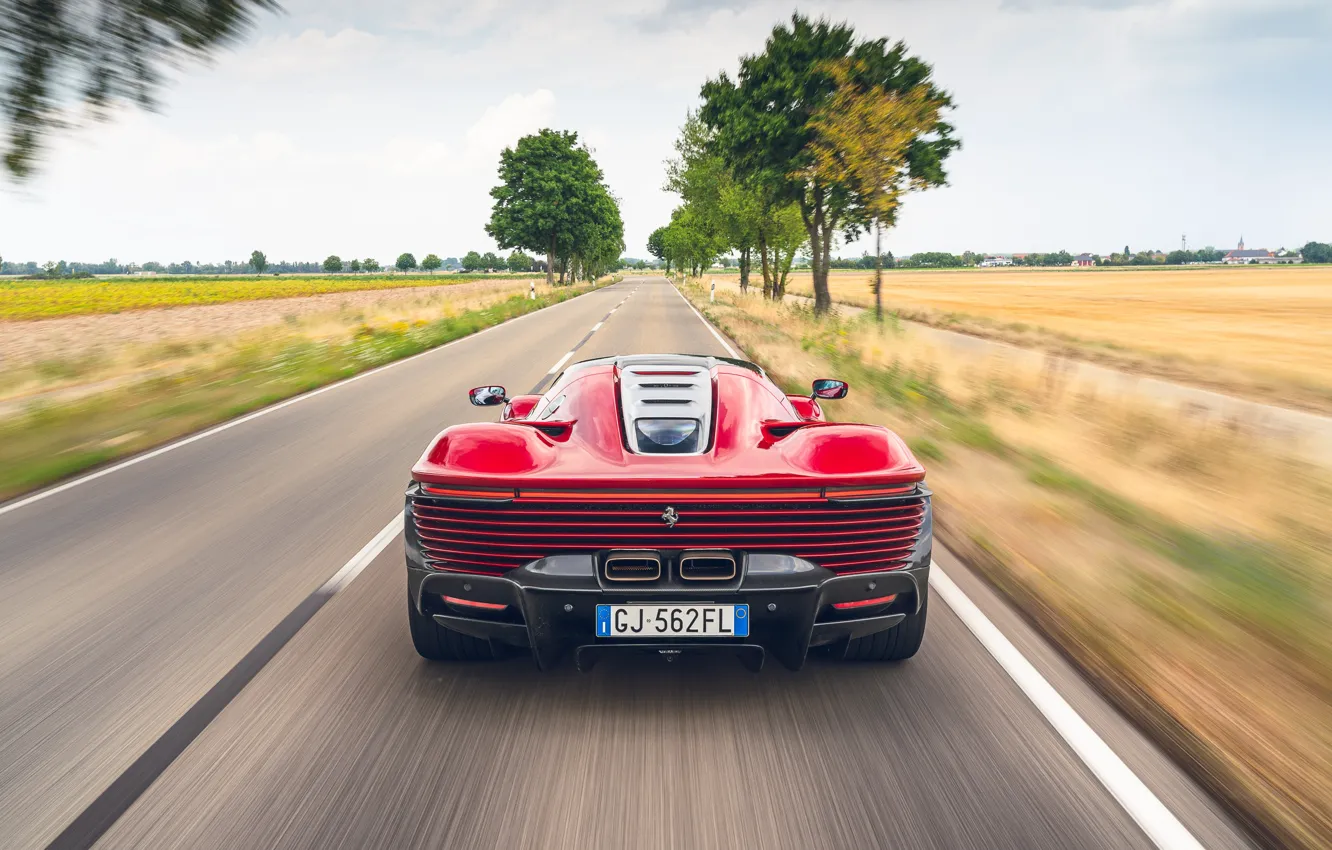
667,503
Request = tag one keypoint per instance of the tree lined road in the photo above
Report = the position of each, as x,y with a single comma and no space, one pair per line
125,599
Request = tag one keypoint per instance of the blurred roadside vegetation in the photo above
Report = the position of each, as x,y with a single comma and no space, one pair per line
211,380
1186,565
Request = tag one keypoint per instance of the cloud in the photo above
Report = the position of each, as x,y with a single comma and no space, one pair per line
501,125
371,128
312,51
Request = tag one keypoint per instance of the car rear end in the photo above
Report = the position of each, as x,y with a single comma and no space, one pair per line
753,572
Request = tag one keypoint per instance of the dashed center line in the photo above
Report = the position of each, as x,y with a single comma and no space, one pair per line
542,384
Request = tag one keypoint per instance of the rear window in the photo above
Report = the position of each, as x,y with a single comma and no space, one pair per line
668,436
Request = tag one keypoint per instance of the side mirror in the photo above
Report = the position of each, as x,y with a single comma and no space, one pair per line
828,389
487,396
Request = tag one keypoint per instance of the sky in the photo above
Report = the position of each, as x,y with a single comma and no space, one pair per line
366,128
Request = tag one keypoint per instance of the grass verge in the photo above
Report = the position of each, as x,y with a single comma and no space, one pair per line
1186,568
49,442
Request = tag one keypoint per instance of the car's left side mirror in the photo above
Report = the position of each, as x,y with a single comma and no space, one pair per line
487,396
827,389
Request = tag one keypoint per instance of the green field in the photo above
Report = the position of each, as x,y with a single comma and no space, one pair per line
47,299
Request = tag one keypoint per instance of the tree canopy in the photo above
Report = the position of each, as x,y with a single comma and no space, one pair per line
431,262
103,54
1317,252
551,200
472,262
370,264
765,125
518,262
333,263
405,262
259,261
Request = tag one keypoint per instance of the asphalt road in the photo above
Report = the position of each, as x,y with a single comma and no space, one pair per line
125,600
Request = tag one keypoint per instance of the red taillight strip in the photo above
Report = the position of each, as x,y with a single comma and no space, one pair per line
862,492
864,603
467,603
466,493
584,496
677,373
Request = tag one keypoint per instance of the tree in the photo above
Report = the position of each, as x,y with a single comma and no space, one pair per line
764,125
370,264
354,265
491,261
472,262
405,262
724,206
656,246
781,238
1317,252
431,262
259,261
862,137
550,196
519,262
52,51
333,263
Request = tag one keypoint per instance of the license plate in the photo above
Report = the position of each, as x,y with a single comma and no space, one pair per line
651,621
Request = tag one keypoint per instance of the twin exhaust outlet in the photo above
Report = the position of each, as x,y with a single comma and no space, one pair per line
627,565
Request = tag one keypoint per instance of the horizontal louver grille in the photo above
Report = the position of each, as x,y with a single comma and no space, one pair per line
841,536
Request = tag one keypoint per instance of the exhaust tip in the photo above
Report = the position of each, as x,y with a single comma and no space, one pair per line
707,565
628,565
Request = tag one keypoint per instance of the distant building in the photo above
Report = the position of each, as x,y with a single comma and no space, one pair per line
1242,256
1083,260
995,262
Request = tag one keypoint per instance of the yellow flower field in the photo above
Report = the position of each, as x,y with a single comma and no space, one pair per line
46,299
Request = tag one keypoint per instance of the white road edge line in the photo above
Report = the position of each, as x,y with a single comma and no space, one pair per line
726,345
1132,794
363,558
217,429
1146,809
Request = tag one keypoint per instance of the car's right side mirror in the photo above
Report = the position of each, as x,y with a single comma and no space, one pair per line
487,396
828,389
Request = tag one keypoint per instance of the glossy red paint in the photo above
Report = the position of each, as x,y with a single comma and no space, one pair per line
741,455
519,407
806,407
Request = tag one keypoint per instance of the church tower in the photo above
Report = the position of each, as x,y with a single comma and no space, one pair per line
1241,247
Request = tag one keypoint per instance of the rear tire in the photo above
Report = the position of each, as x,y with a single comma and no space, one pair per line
896,644
437,643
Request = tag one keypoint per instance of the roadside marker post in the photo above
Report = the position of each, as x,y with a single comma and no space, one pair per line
712,296
532,292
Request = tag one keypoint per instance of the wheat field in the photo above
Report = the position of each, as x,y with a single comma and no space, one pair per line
1270,327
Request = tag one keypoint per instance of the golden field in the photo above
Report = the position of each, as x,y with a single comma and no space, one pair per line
1264,332
1184,563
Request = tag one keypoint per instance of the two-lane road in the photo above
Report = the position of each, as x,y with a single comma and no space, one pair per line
125,601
